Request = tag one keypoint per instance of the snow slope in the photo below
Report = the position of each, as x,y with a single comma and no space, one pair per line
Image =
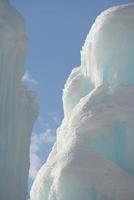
93,157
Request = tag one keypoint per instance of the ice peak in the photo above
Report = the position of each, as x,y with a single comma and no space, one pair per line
107,55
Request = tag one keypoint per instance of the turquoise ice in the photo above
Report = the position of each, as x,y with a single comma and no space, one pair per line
93,156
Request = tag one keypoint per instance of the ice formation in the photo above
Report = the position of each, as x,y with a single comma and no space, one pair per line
17,107
93,157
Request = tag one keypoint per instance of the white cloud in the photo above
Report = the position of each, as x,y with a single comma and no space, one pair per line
35,163
42,123
55,119
38,142
48,136
27,78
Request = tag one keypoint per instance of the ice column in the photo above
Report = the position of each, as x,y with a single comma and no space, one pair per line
18,109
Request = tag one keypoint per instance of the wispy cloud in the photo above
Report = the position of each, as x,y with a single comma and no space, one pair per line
42,123
48,136
56,119
29,79
41,141
38,142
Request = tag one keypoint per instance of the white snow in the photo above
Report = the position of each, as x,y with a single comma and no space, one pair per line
93,156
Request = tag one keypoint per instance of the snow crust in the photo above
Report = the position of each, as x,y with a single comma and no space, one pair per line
93,157
18,109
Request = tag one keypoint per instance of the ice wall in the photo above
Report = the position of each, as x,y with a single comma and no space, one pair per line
17,107
93,157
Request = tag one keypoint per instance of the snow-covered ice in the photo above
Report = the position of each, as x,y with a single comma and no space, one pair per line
93,156
18,109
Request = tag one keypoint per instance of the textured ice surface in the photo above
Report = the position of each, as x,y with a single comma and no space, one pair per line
107,55
17,107
93,157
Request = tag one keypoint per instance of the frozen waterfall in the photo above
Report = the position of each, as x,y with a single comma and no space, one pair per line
18,109
93,156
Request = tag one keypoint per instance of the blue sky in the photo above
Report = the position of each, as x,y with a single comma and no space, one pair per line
56,31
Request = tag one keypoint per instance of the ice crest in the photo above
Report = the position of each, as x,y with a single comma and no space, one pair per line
107,55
